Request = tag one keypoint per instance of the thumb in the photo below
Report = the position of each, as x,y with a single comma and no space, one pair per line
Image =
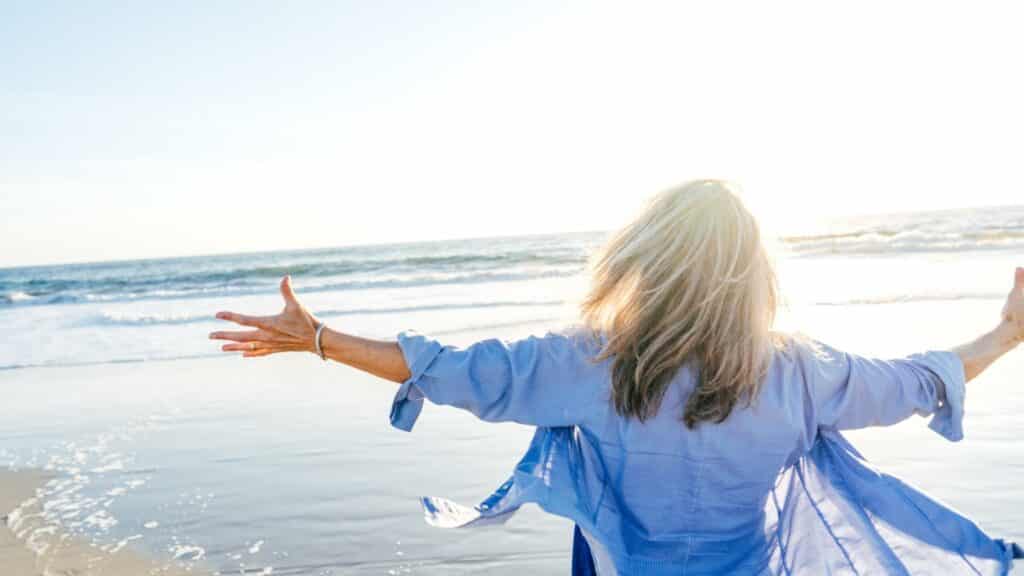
1018,279
286,290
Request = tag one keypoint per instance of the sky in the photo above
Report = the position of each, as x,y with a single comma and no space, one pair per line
132,130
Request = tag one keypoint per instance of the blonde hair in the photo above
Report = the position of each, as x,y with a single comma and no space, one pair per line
687,279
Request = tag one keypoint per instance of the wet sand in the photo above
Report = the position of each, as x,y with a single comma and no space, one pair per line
52,553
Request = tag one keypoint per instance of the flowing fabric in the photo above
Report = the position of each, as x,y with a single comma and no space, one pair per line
656,498
830,512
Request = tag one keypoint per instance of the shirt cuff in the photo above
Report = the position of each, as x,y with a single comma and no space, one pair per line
947,420
418,351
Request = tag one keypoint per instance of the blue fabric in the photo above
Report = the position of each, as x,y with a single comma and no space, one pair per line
774,489
582,561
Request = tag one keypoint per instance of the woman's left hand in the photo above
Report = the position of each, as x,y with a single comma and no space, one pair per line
293,330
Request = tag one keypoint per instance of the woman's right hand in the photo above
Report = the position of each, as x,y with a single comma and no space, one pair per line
293,330
1013,311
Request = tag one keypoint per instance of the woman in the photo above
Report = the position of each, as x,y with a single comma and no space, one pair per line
674,426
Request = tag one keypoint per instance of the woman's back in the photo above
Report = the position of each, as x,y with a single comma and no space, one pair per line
676,494
693,492
655,494
700,495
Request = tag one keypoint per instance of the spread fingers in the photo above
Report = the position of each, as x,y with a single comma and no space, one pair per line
239,335
255,321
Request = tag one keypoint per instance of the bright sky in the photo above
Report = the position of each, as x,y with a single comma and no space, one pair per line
155,129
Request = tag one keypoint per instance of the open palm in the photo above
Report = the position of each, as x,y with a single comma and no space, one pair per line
292,330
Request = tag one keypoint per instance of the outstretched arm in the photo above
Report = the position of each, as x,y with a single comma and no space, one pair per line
851,391
981,352
294,329
533,380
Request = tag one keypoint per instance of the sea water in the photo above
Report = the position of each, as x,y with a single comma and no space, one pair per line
287,465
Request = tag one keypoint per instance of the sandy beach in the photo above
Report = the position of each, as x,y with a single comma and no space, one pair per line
50,553
16,488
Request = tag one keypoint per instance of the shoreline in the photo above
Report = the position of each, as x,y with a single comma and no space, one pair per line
26,552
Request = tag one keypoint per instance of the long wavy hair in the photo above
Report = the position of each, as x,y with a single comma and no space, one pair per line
688,279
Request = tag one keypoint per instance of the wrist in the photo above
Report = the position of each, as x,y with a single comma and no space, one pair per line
313,324
318,340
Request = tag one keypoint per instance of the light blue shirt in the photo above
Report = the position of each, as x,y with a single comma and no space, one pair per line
774,489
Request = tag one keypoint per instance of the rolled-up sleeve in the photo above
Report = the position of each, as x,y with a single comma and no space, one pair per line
850,391
537,380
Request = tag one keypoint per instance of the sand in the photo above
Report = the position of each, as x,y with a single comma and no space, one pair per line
59,554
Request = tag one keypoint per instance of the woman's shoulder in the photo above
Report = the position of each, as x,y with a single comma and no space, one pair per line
796,358
797,347
580,336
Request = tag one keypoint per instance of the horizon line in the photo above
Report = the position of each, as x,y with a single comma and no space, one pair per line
87,262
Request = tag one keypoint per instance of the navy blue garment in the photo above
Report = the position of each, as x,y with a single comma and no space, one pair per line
582,561
773,489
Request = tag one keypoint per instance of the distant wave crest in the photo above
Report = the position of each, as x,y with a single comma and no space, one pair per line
15,297
143,319
120,291
910,238
902,298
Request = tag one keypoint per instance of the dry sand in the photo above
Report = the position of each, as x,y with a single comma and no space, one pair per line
60,555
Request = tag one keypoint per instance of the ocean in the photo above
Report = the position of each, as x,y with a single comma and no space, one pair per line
163,444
